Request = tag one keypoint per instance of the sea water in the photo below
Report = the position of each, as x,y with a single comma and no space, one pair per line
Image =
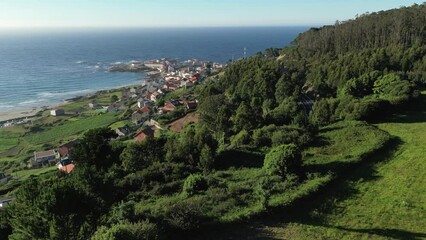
46,66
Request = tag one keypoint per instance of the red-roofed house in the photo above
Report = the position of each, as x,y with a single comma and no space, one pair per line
170,86
191,105
144,134
65,149
168,107
196,77
68,168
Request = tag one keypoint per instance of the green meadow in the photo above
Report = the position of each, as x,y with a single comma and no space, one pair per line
382,197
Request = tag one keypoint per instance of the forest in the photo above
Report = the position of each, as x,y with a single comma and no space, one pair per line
256,147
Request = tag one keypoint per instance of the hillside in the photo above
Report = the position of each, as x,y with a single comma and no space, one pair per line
382,198
306,142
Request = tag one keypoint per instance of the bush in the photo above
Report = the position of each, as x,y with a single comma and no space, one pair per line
283,160
194,184
242,138
185,216
127,231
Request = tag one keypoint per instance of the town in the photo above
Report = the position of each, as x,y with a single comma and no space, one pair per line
165,100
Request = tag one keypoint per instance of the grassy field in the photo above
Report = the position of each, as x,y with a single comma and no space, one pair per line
24,174
384,198
69,129
339,148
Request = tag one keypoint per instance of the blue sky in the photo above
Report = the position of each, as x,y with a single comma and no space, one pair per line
184,13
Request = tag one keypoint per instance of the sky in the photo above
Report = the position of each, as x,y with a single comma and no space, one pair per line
184,13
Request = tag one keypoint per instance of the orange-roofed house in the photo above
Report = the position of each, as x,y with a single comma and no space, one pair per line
144,135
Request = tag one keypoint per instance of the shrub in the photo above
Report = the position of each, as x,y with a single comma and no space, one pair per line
242,138
185,216
283,160
128,231
194,184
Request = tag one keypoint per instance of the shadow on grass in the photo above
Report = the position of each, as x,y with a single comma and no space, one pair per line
390,233
238,159
411,112
323,201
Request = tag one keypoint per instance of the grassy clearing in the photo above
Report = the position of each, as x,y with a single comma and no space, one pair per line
384,200
24,174
120,124
232,196
69,129
339,149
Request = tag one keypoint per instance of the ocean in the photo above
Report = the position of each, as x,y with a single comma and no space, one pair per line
45,67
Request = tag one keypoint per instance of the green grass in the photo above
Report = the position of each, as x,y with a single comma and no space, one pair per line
339,150
232,197
57,133
24,174
119,124
381,200
7,142
9,138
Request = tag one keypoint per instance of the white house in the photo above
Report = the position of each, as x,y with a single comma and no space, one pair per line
57,112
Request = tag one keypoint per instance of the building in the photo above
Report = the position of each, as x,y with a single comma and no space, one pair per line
141,115
65,165
156,96
145,134
57,112
94,106
122,131
45,158
169,107
191,105
65,149
112,108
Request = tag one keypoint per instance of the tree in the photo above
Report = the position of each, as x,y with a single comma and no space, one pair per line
243,118
283,160
391,87
114,98
193,184
95,149
138,156
206,158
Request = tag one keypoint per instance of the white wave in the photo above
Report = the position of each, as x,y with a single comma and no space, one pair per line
80,62
63,94
32,102
6,106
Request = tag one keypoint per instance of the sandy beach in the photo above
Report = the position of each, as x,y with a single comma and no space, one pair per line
6,116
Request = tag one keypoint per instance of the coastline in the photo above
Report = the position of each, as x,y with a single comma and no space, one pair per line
15,117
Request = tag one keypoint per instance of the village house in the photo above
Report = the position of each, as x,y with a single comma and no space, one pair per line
171,106
65,149
186,84
94,106
57,112
155,96
141,115
136,91
122,131
145,134
112,108
196,77
44,158
65,165
143,103
170,87
191,105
